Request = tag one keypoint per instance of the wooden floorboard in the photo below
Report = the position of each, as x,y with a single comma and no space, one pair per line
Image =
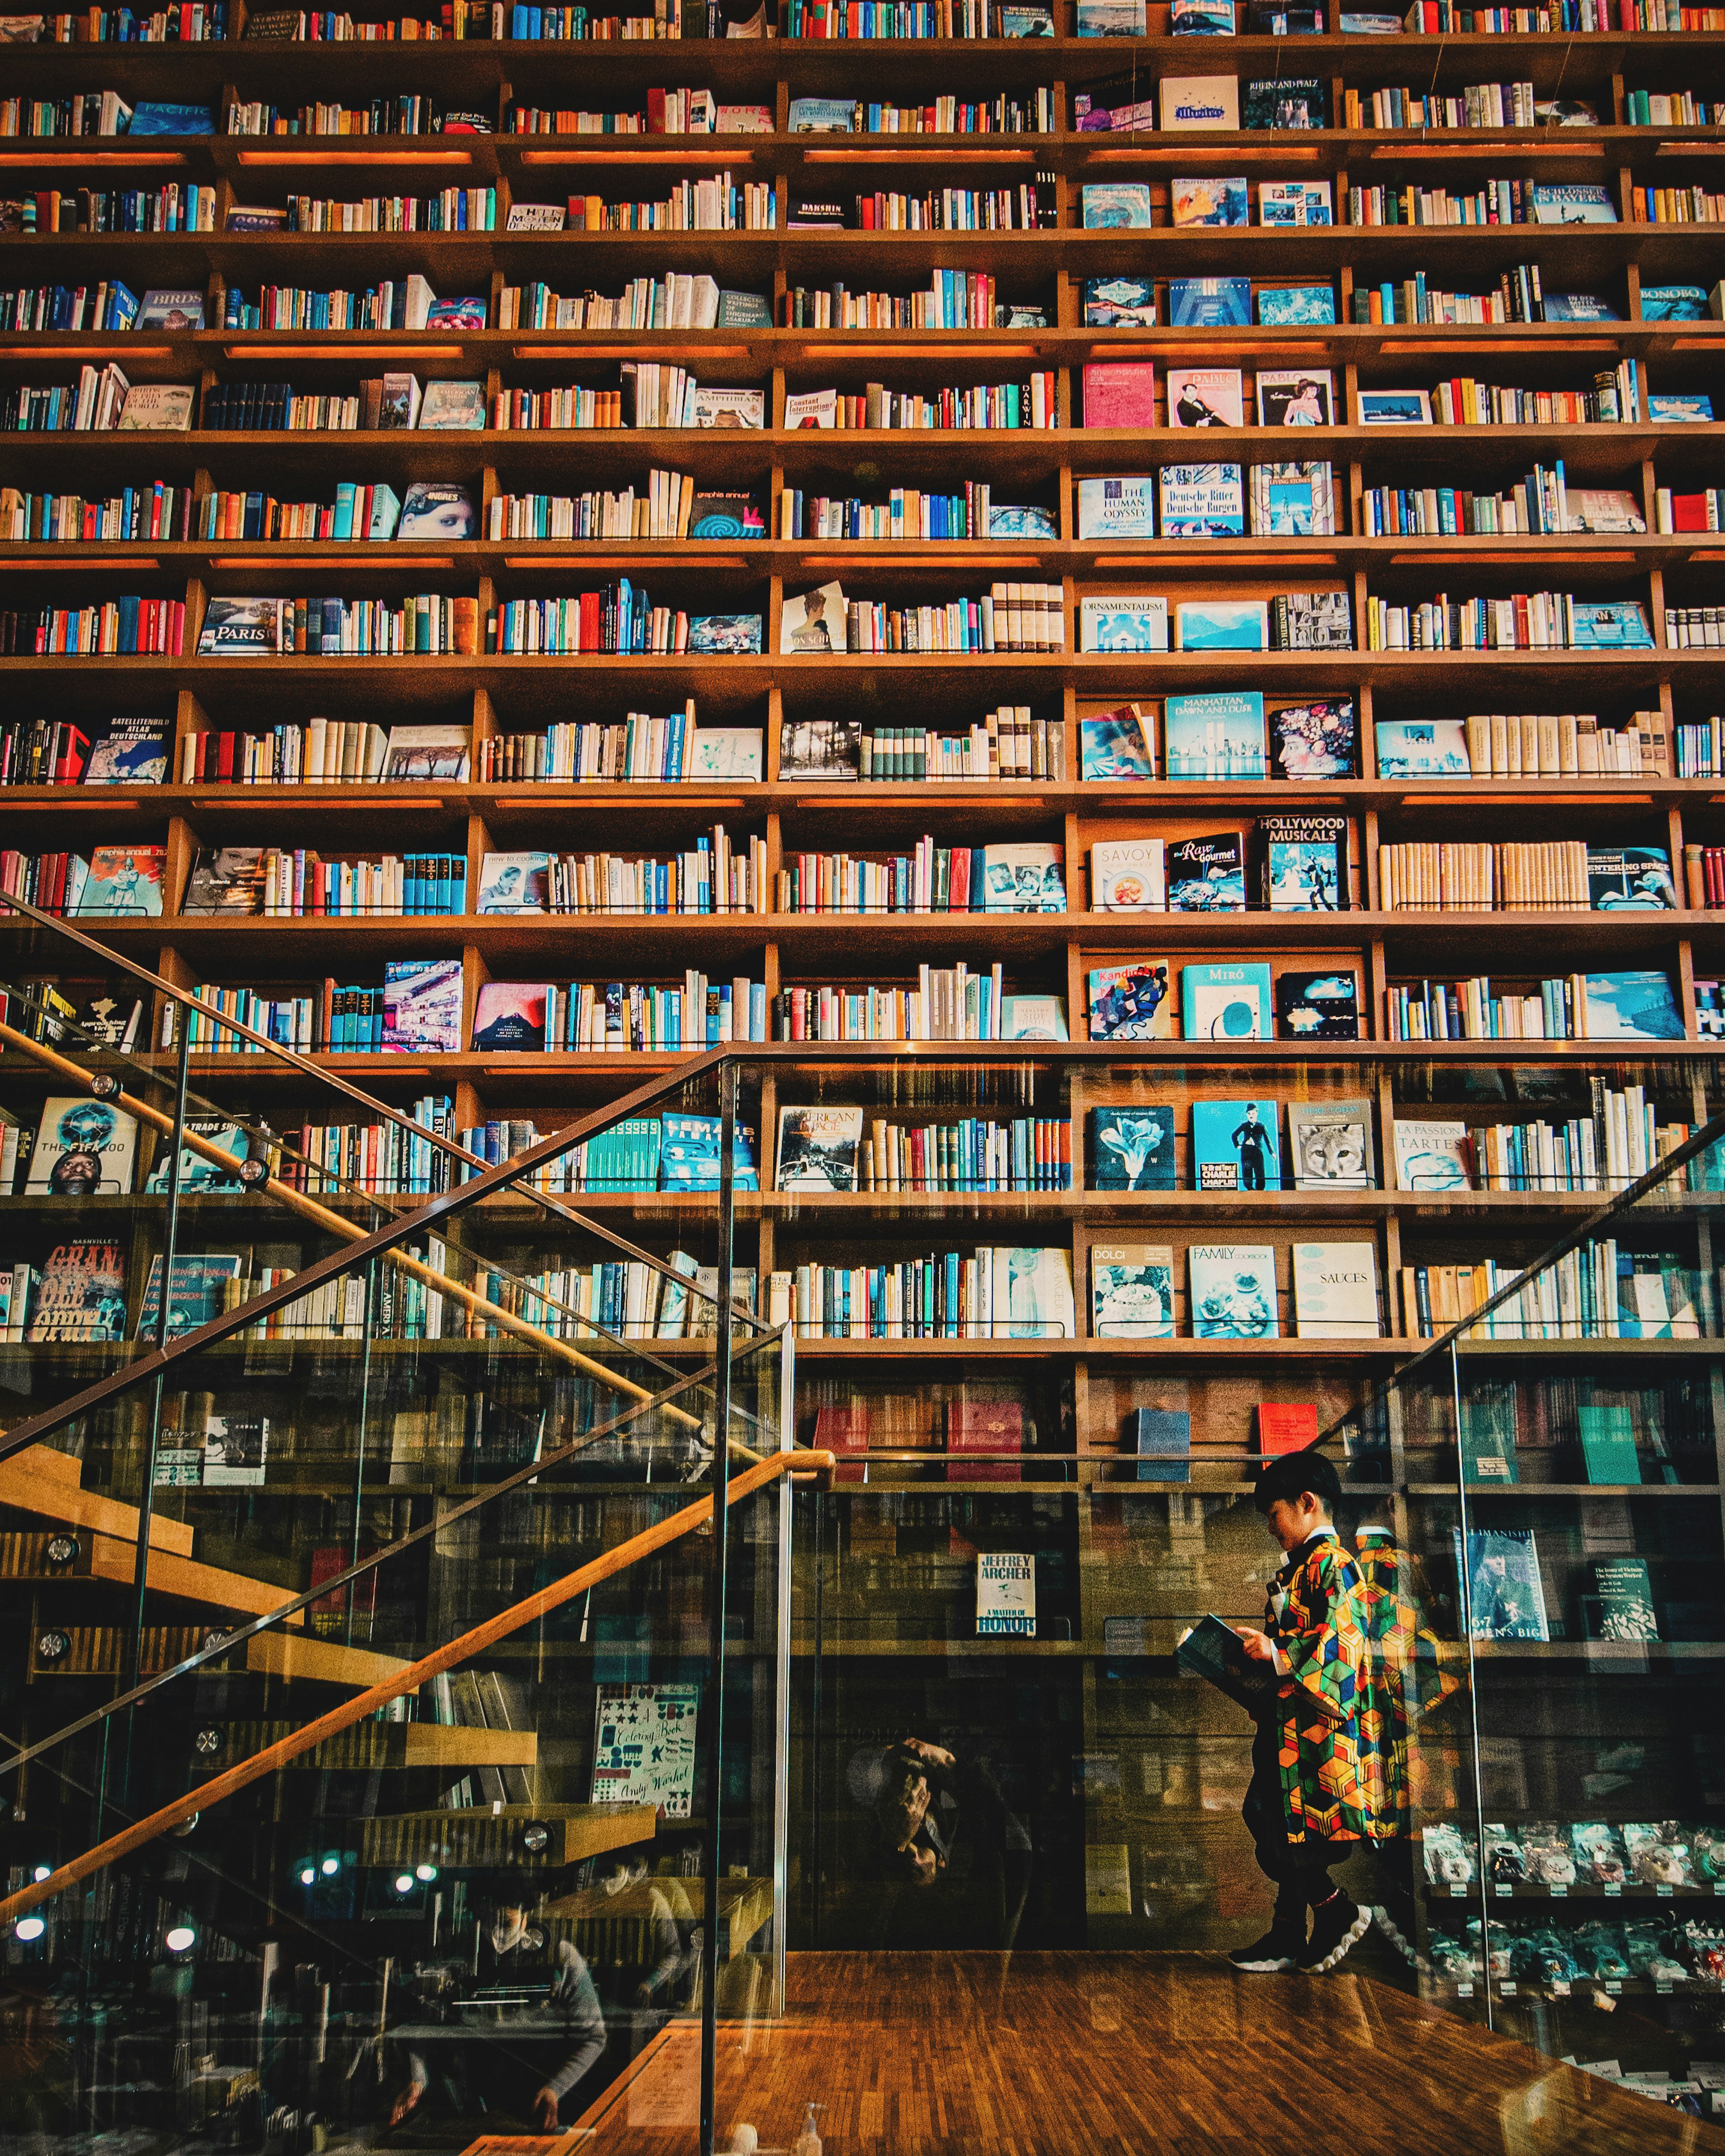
1109,2054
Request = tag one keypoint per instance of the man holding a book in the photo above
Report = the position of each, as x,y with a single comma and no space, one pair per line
1315,1789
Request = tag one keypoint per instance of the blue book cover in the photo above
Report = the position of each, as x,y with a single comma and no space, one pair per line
1131,1148
1632,1006
1674,303
159,119
1235,1144
1216,736
1162,1439
1423,748
1232,1287
1131,1001
1221,625
1296,306
1609,625
1227,1001
1114,303
689,1155
1207,875
1578,307
1679,411
1211,303
1125,203
1131,1297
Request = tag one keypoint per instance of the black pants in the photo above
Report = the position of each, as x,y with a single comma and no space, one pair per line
1300,1869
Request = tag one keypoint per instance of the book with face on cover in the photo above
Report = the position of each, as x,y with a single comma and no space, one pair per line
1131,1291
1506,1594
1235,1145
124,883
1132,1002
1314,740
85,1148
513,883
1205,397
1330,1144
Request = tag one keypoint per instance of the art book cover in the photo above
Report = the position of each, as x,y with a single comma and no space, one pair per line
1122,622
418,755
1423,748
689,1155
1033,1294
435,509
1131,1291
1432,1156
1572,205
1289,202
1131,1001
732,636
453,407
1220,735
1130,1148
1506,1594
1296,397
81,1295
1119,744
1200,104
1315,740
1202,501
1304,859
1323,1006
825,750
85,1148
1207,875
1221,625
241,628
1609,625
1232,1289
236,1448
1394,407
1210,201
1629,880
1119,303
422,1006
124,883
1121,507
1201,19
1330,1145
728,752
1029,877
1296,306
818,1147
198,1175
1205,397
1119,392
1211,303
1637,1005
508,1017
197,1292
1128,876
1293,500
1301,102
1226,1001
1123,204
814,621
132,752
1578,307
1336,1292
1235,1145
513,883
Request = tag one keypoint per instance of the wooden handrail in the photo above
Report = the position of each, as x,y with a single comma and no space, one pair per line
672,1528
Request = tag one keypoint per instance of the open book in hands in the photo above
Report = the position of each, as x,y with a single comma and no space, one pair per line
1215,1651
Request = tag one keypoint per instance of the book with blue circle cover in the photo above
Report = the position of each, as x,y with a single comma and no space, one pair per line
1227,1001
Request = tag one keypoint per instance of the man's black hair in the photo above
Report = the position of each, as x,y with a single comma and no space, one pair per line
1290,1474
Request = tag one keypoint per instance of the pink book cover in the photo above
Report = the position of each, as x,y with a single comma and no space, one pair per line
844,1430
1119,392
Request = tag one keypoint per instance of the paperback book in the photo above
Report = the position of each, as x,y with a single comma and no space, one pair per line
1505,1592
818,1147
1221,625
1296,306
1131,1148
1296,397
1131,1001
1232,1291
1219,736
422,1006
1336,1292
1122,507
1131,1291
1207,875
1209,201
1432,1156
1205,397
1322,1006
1235,1145
80,1296
1330,1145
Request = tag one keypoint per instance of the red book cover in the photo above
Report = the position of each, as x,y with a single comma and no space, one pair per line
1286,1427
844,1430
980,1429
1689,513
1120,394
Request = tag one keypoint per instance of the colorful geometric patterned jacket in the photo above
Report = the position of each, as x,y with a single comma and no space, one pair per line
1410,1675
1331,1727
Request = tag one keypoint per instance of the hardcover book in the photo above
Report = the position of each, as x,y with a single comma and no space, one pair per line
1122,622
1608,1445
814,621
1322,1006
1226,1001
1207,875
1297,101
422,1006
1285,1426
728,635
1432,1156
1119,744
124,883
1296,306
158,407
1123,204
1119,392
1109,19
1304,859
1026,878
435,509
81,1296
1201,502
513,883
236,1448
1232,1291
418,755
1209,201
1210,303
1118,106
818,1147
197,1292
1133,1293
1160,1439
1423,748
1214,1650
225,879
1316,740
1198,104
1506,1594
1122,507
689,1155
508,1017
1217,736
1336,1292
241,628
1626,1610
1128,876
1033,1018
1131,1001
1609,625
1626,880
85,1148
1201,19
1234,1144
453,407
1394,407
823,750
1296,397
164,309
1205,397
1289,202
1130,1148
1572,205
199,1175
1033,1294
1578,307
1487,1436
1293,501
1674,303
1118,303
1330,1145
1221,625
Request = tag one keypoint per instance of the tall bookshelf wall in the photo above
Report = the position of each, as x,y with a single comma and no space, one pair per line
1077,1392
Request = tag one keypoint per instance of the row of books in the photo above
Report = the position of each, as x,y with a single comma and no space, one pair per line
1532,745
1540,504
955,300
323,751
153,509
620,619
169,207
1571,1007
641,747
300,882
127,625
1527,621
1017,617
1598,1292
452,209
671,506
430,509
188,23
1207,501
1674,510
838,1149
1538,875
1692,628
427,622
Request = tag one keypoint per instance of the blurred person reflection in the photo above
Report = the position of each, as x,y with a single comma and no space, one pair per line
954,1856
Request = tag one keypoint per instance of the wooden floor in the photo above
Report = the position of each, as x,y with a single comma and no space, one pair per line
1080,2053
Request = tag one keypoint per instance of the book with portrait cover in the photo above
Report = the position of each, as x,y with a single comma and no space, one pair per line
1235,1145
1330,1145
1131,1291
1506,1593
81,1295
1231,1287
513,883
1130,1148
1205,397
818,1147
124,883
1314,740
508,1017
85,1148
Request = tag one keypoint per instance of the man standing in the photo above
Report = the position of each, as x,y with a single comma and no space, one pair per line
1251,1138
1314,1776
